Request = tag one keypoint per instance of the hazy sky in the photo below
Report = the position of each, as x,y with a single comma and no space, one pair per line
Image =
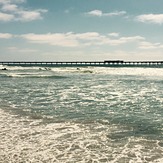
74,30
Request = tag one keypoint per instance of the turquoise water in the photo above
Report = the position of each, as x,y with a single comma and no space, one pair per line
90,114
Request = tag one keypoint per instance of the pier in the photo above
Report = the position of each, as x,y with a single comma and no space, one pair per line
106,63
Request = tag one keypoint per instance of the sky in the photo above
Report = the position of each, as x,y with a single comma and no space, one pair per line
81,30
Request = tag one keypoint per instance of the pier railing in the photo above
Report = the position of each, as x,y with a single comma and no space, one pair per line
117,63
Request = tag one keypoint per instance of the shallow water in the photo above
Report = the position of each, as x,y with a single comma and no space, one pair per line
90,114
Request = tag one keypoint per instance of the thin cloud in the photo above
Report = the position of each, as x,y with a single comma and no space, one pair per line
10,10
55,39
99,13
9,7
12,1
150,18
5,35
6,17
95,13
79,39
20,50
148,45
114,34
25,16
73,40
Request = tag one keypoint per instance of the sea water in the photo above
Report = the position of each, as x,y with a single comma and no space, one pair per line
87,115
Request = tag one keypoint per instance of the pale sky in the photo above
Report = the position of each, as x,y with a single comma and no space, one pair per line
81,30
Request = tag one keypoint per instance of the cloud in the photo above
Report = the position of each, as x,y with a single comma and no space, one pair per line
10,10
6,17
95,13
5,35
99,13
57,39
20,50
150,18
120,41
148,45
114,34
25,16
86,36
9,7
78,39
11,1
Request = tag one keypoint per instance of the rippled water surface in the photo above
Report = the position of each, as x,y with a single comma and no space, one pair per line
90,114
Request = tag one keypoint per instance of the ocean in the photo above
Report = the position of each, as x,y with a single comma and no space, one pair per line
81,115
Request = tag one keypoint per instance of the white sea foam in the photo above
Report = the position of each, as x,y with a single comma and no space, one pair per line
93,70
130,71
28,140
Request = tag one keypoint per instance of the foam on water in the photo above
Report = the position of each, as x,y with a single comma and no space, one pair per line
131,71
28,140
95,70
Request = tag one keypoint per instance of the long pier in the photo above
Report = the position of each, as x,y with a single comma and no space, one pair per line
106,63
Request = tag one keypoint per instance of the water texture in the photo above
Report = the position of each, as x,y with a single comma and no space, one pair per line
89,114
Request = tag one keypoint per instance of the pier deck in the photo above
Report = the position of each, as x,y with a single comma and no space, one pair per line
117,63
